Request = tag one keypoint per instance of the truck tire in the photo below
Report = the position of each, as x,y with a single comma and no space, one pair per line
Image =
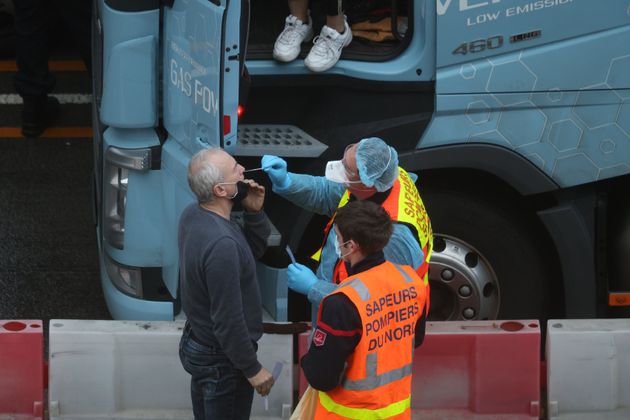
486,262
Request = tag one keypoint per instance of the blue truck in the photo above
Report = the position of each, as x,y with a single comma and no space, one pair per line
514,114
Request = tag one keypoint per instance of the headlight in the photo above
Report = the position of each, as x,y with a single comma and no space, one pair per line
126,279
118,163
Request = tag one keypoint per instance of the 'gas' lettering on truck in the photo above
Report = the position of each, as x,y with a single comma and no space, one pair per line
201,94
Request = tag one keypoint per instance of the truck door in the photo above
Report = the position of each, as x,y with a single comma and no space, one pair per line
201,46
200,70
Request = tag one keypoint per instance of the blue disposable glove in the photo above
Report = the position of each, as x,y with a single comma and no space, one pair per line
300,278
276,169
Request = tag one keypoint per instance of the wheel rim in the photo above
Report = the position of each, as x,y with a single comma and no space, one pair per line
463,283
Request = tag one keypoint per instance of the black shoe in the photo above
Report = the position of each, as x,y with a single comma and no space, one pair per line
39,112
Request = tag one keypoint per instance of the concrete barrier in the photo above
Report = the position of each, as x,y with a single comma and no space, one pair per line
303,344
478,369
473,370
588,369
131,369
21,369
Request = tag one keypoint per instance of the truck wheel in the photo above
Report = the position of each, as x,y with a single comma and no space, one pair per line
486,263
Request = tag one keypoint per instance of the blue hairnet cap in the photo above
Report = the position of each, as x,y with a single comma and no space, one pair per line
377,163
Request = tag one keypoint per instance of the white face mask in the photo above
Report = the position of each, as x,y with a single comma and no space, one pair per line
338,250
336,172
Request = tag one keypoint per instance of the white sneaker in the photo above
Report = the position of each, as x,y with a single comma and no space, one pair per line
327,48
287,46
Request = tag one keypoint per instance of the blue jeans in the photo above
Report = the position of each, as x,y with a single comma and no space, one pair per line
218,390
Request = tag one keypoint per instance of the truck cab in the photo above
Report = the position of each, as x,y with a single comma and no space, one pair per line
520,143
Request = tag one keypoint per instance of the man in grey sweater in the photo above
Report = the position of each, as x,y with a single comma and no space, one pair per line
220,293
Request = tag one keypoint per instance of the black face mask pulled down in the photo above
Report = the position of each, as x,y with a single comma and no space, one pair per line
242,189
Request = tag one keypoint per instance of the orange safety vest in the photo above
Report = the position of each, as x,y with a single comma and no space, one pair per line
405,206
390,299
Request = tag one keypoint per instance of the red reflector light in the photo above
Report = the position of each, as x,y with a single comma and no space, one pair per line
240,111
227,125
618,299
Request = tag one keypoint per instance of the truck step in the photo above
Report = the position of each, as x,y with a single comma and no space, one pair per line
279,140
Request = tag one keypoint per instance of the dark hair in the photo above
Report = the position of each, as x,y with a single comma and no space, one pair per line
366,223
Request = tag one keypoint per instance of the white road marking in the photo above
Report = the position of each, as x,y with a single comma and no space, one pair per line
63,98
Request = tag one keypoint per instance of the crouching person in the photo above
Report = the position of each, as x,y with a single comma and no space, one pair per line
360,359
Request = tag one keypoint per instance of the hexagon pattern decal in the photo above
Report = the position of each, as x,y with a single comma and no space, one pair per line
575,136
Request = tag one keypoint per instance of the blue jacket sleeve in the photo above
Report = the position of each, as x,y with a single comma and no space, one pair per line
403,248
320,290
324,273
313,193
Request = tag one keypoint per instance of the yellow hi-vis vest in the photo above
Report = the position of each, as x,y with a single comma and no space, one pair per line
405,206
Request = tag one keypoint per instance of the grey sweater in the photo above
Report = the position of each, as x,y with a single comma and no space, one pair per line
219,288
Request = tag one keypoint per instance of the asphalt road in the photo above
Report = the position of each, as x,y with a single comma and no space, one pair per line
48,251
